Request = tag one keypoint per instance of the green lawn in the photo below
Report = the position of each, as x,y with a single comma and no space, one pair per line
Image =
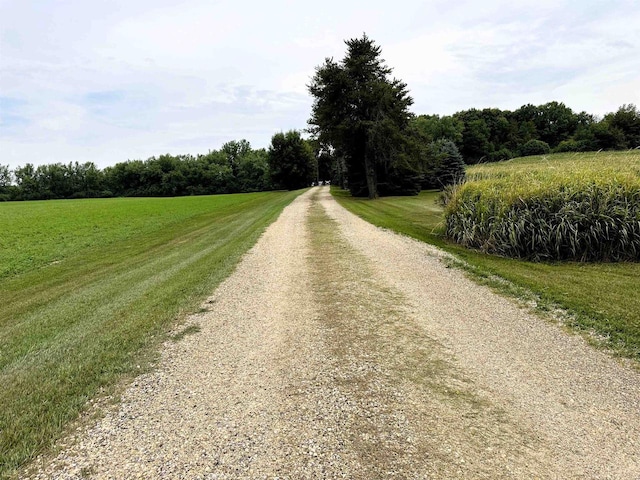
89,287
603,297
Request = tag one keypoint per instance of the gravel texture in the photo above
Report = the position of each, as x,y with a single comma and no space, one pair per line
340,350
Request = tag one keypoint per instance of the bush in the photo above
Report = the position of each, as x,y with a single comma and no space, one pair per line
500,155
575,146
567,146
534,147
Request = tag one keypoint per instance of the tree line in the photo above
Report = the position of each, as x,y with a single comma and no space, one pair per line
491,134
362,136
236,167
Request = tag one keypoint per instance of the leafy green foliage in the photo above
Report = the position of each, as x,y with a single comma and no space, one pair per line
98,285
627,121
491,135
555,122
6,178
598,136
430,128
236,167
572,146
291,161
561,209
58,181
363,115
534,147
475,142
360,118
500,155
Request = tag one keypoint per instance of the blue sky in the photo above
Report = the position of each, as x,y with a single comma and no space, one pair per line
107,81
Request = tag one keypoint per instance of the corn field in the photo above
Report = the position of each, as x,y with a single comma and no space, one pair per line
583,207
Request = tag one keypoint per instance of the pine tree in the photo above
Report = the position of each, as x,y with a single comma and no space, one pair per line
362,113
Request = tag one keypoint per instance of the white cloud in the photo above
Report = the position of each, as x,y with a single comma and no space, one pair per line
191,75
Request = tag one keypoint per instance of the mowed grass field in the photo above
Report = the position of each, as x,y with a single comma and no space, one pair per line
88,288
602,298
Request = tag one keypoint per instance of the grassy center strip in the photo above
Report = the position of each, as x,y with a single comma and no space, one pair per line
411,406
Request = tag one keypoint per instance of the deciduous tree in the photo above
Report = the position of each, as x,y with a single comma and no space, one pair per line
627,121
291,161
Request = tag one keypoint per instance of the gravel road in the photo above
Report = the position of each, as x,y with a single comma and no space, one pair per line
340,350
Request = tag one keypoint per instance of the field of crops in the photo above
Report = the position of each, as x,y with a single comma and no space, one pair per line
88,287
558,207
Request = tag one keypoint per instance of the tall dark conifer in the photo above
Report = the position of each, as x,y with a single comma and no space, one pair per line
364,114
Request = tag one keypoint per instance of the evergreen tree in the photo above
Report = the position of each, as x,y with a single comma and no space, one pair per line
364,115
444,164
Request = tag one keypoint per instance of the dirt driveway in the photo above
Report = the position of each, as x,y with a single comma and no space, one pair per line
338,350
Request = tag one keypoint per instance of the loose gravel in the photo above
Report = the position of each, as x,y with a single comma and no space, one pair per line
340,350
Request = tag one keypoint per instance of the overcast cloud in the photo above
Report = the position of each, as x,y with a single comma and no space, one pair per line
107,81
